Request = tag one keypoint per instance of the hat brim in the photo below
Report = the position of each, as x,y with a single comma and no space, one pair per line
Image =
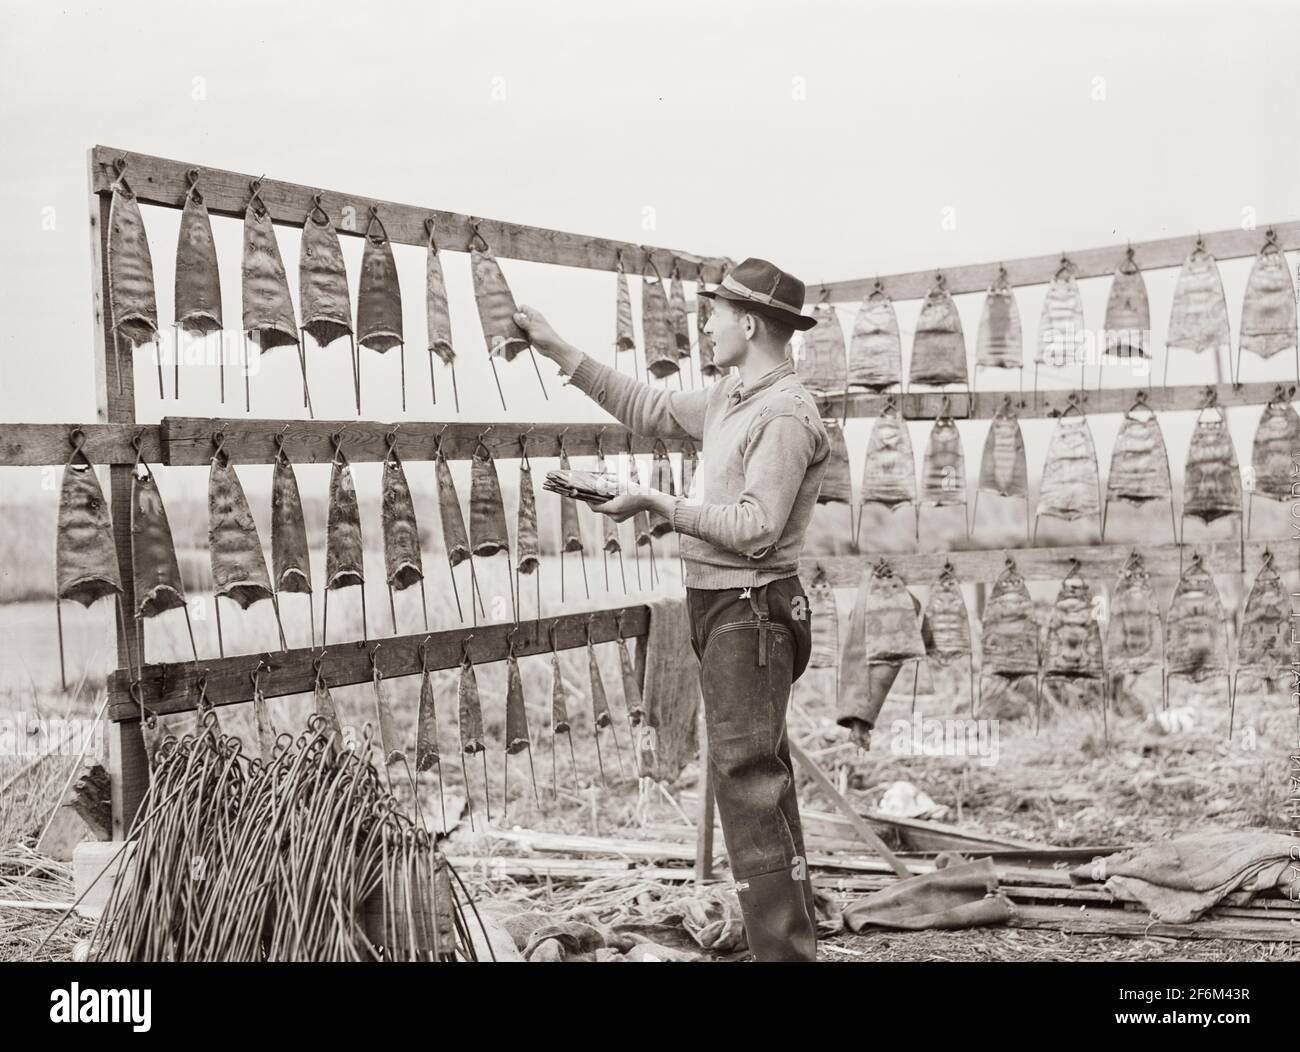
801,322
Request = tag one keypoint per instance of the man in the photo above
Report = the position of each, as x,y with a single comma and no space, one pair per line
764,452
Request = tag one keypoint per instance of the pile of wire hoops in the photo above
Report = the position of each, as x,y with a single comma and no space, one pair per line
305,857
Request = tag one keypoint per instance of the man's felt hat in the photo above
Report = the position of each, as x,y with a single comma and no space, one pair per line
765,289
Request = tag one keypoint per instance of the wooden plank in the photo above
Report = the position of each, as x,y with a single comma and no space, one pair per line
1233,243
540,840
984,405
189,440
919,834
855,820
497,867
128,765
1098,563
1107,921
159,181
38,444
170,688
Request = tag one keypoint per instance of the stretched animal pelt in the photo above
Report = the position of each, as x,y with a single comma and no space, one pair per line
1273,454
948,617
1268,310
133,307
1000,343
1139,462
323,296
1128,313
1263,640
1198,320
85,554
1212,480
875,347
403,563
624,335
939,346
158,586
660,354
379,296
1060,325
943,472
487,511
496,307
238,564
889,473
1003,469
1135,633
837,483
1071,486
893,628
822,365
344,565
267,309
1009,634
437,313
1073,633
290,554
198,283
1197,644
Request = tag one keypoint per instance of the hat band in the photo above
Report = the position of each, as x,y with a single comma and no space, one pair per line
732,285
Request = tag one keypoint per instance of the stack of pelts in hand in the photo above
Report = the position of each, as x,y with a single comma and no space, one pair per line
302,858
594,487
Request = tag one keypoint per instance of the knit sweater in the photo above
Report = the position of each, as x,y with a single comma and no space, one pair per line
763,452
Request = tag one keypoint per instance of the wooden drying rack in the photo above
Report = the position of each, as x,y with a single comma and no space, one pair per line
168,688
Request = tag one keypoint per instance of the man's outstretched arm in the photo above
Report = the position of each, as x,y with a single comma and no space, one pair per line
641,407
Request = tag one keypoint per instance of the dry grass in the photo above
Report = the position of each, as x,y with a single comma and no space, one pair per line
1064,785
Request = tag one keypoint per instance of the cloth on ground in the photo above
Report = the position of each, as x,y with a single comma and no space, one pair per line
667,739
1179,879
962,895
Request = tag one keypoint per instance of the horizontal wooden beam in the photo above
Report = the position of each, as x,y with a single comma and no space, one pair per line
1099,563
984,405
171,688
159,181
186,440
189,440
1037,270
26,445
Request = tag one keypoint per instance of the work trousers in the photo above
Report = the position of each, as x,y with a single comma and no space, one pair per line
753,644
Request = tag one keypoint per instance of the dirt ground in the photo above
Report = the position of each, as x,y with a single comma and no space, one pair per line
1055,774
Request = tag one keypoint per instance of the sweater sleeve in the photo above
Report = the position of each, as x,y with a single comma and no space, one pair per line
776,460
643,409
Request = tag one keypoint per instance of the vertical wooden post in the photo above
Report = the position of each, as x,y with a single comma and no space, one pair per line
127,763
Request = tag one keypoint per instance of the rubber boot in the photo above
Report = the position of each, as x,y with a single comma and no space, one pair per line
775,907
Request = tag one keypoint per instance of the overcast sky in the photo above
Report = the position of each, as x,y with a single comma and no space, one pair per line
838,140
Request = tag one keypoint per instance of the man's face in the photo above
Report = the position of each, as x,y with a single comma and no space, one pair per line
731,330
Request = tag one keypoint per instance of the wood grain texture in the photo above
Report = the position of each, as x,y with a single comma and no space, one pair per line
159,181
170,688
1097,563
1037,270
188,440
984,405
1107,921
36,444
